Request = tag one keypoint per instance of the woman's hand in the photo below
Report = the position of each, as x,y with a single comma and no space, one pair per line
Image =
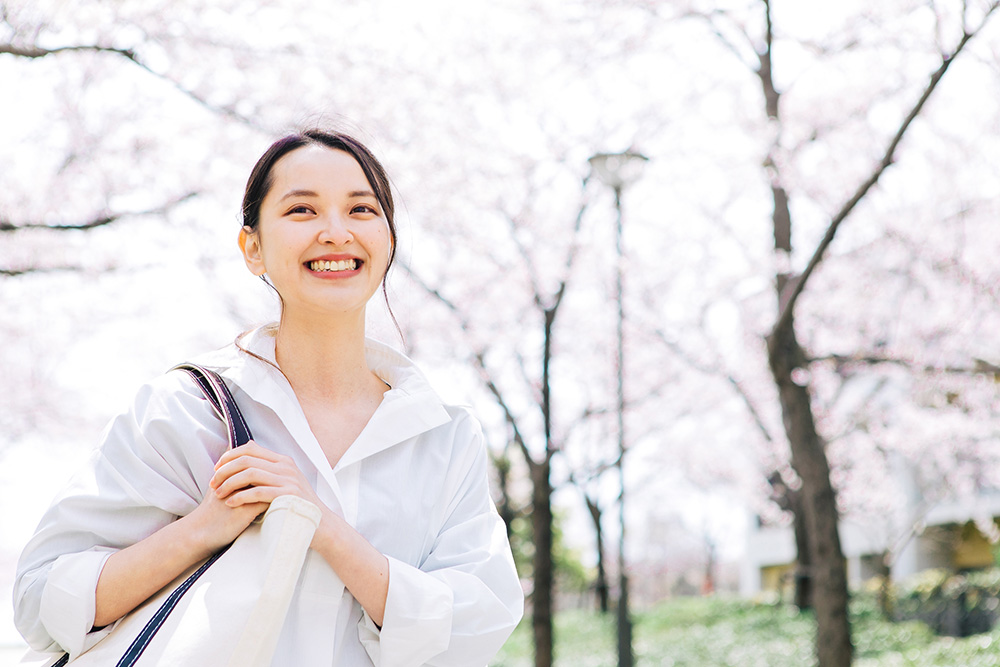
214,524
251,475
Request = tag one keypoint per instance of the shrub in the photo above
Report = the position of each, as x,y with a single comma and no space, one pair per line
954,605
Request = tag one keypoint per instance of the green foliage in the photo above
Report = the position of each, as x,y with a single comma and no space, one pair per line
730,632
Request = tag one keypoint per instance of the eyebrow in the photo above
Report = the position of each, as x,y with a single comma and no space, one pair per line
310,193
299,193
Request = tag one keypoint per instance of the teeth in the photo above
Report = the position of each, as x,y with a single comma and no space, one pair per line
342,265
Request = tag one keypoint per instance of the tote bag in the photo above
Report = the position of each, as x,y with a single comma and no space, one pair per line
227,610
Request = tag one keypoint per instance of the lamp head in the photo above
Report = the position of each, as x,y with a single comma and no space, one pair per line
617,170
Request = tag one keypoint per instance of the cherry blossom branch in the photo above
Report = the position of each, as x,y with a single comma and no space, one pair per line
977,367
99,221
479,358
11,273
797,284
31,51
717,371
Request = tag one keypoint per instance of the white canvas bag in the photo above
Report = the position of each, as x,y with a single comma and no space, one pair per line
232,612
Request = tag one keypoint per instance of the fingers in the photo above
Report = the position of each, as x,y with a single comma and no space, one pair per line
253,474
254,495
249,449
257,478
250,456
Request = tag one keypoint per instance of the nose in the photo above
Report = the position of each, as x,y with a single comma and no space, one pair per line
335,230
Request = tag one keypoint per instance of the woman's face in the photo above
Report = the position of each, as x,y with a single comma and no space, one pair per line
323,239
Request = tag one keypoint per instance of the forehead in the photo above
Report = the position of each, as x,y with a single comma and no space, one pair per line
317,168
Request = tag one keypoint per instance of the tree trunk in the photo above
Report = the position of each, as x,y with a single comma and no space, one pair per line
790,500
818,501
541,528
803,566
601,585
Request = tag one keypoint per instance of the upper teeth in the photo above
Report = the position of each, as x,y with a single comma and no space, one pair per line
325,265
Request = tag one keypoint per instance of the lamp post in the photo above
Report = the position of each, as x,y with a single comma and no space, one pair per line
617,170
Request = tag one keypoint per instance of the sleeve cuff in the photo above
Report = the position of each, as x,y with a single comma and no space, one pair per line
68,600
417,623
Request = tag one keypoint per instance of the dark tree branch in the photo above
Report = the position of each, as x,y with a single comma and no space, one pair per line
977,367
100,221
574,248
795,286
711,18
38,52
10,273
130,55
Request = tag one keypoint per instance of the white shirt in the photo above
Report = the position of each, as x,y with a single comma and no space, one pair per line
414,483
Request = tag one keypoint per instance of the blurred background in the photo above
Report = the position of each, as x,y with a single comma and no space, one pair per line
719,277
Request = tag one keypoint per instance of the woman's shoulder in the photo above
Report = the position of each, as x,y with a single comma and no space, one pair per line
463,417
175,396
461,435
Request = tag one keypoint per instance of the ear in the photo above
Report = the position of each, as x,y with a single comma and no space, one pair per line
249,241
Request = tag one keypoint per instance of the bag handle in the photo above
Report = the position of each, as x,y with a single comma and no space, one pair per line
222,400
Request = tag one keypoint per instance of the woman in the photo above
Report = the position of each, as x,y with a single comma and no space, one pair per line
410,563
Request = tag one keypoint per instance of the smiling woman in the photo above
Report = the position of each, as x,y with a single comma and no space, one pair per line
409,563
322,179
321,220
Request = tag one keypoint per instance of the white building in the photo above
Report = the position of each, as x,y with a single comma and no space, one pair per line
946,537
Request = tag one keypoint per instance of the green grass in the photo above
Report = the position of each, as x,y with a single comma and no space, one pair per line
730,632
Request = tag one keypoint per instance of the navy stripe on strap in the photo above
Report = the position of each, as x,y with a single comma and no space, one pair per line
218,393
152,626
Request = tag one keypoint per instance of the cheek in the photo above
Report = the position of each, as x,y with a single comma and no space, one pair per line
280,246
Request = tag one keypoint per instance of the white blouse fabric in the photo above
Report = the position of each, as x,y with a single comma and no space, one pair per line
414,483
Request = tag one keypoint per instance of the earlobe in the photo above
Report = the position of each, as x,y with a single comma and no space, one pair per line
249,242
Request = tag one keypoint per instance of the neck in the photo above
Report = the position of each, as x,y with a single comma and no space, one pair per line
324,359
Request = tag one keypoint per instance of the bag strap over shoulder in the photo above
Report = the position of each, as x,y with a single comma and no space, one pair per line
222,400
218,394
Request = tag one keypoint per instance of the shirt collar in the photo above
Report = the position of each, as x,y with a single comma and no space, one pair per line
410,407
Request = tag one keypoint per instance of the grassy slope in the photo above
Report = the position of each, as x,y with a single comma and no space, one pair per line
729,632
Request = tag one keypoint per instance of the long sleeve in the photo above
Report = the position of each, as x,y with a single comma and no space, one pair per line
463,601
150,469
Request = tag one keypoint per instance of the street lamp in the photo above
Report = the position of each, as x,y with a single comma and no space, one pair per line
618,170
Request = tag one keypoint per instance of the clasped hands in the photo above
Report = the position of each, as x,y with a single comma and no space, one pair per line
246,480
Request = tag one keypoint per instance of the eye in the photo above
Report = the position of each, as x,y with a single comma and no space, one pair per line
299,209
365,208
